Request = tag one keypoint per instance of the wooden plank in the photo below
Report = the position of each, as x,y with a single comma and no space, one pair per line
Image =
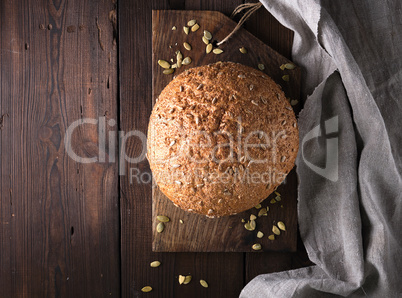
224,272
59,219
200,233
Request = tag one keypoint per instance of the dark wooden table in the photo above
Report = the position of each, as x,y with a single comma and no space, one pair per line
73,229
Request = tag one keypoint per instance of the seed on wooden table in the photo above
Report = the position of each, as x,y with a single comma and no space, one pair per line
195,27
252,224
275,230
260,234
277,193
186,29
261,66
271,237
163,218
273,201
160,227
205,40
155,264
294,102
253,217
174,28
278,198
282,67
247,226
187,61
187,46
281,225
258,206
208,49
168,71
146,289
207,35
290,66
187,279
174,65
256,246
262,212
191,23
243,50
181,221
164,63
217,51
182,278
204,283
285,78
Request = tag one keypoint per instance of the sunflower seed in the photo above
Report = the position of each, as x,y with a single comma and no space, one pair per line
256,246
290,66
172,143
208,48
283,122
168,71
207,35
271,237
285,78
146,289
281,225
181,88
243,50
260,234
195,27
179,63
187,61
283,158
179,55
164,63
282,67
160,227
174,28
205,40
182,278
187,279
178,182
294,102
200,86
155,264
261,66
181,221
163,218
204,283
214,100
254,103
191,23
217,51
187,46
186,29
275,230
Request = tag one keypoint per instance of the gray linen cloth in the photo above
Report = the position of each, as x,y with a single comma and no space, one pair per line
349,163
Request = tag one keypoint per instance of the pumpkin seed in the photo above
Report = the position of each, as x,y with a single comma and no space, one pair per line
186,29
164,63
217,51
262,212
294,102
163,218
146,289
285,78
204,283
253,217
187,279
277,193
271,237
187,46
195,27
191,23
160,227
248,227
290,66
278,198
258,206
174,28
256,246
282,67
155,264
273,201
252,224
208,49
242,220
168,71
187,61
261,66
182,278
205,40
281,225
207,35
260,234
243,50
275,230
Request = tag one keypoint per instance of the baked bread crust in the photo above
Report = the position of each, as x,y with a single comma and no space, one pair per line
199,130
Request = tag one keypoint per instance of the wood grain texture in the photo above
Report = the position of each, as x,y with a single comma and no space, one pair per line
199,233
59,232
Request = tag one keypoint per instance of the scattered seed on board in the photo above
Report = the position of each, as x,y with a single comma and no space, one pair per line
285,78
273,201
290,66
278,198
277,193
252,224
261,66
186,29
217,51
187,46
256,246
204,283
275,230
294,102
281,225
253,217
160,227
155,264
282,67
207,35
181,221
187,61
168,71
247,226
205,40
174,28
260,234
163,218
187,279
271,237
258,206
262,212
243,50
182,278
208,49
191,23
195,27
146,289
164,63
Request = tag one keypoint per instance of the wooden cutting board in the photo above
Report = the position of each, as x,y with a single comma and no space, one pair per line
198,233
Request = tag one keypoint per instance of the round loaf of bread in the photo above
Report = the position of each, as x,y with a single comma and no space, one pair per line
221,138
